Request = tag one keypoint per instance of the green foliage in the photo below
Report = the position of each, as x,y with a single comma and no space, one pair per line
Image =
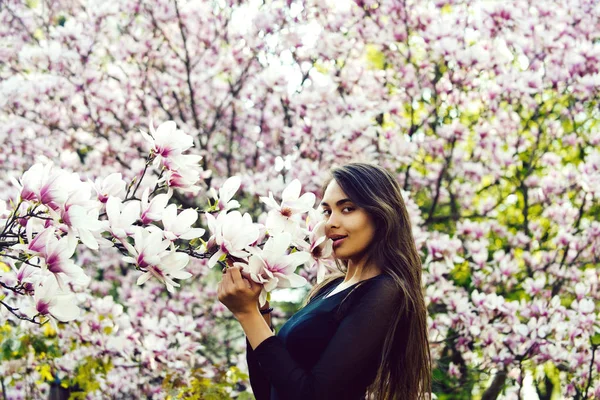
202,388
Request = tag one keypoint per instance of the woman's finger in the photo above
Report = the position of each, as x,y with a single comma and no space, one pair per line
236,277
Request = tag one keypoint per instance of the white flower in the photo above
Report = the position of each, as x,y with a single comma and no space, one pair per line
167,140
153,210
57,259
232,233
320,248
50,301
122,216
226,192
184,172
281,217
112,185
150,255
179,226
274,267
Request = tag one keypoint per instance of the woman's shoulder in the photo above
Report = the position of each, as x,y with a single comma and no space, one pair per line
380,288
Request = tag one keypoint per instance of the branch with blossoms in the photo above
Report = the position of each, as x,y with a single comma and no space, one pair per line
57,211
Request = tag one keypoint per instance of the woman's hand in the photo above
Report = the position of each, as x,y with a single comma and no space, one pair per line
238,293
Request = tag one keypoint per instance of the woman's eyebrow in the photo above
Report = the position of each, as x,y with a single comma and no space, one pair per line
342,201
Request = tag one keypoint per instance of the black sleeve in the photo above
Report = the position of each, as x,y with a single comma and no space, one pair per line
259,381
357,342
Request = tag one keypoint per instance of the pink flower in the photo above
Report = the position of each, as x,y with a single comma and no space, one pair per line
51,301
232,233
274,267
167,140
281,217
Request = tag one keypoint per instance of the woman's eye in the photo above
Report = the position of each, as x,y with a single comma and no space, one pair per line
324,212
348,208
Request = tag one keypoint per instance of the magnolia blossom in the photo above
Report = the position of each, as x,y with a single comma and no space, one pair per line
56,258
184,172
46,184
321,248
226,192
232,233
179,226
121,216
153,210
167,140
151,255
50,301
281,217
80,216
35,245
274,267
112,185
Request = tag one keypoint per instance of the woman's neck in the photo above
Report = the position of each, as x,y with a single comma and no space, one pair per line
359,271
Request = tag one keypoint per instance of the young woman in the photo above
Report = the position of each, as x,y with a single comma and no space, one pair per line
362,332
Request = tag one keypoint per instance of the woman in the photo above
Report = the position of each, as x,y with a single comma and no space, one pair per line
362,333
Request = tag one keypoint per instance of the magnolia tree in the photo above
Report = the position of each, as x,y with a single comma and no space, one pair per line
485,111
56,211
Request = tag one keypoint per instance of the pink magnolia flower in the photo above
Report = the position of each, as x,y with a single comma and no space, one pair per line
167,140
50,301
321,248
226,192
274,267
232,233
148,249
56,258
153,210
80,218
180,226
171,267
281,216
122,216
150,254
112,185
35,245
184,172
47,185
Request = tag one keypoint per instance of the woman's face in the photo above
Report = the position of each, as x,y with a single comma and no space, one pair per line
345,219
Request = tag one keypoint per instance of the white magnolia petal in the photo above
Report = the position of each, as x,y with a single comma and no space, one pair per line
291,192
143,278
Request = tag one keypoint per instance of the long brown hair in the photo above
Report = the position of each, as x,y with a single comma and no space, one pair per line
405,368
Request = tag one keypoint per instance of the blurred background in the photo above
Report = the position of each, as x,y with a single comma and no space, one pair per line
485,111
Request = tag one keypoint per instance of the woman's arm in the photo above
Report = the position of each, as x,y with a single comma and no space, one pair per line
256,327
261,386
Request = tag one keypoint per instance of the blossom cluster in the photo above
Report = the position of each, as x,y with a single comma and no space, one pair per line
57,211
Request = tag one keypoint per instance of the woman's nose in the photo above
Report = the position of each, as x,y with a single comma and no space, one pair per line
332,222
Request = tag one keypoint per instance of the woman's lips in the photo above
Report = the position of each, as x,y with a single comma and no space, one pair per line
338,242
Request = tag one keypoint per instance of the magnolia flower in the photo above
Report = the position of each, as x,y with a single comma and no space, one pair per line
184,172
112,185
320,248
150,254
50,301
232,233
148,249
226,192
35,245
179,226
153,210
281,216
274,267
121,216
80,218
170,268
57,259
46,184
167,141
